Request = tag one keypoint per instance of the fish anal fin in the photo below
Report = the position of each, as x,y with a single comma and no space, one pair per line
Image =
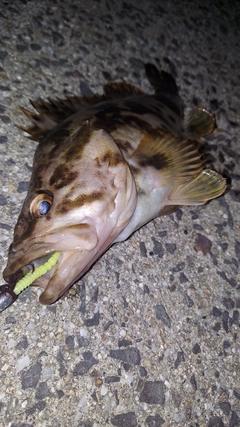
198,122
161,81
118,90
204,187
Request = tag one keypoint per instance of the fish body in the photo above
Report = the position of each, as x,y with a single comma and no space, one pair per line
106,165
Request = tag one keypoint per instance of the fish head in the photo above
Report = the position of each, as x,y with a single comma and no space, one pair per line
81,196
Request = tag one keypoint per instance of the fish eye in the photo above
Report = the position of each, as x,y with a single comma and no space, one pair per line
41,205
44,207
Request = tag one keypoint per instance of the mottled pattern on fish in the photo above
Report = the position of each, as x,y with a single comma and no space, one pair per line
106,165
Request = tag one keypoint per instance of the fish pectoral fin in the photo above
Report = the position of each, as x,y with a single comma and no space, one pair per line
205,186
161,81
118,90
174,160
198,122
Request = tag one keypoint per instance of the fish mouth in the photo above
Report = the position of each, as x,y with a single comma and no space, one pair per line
77,245
55,282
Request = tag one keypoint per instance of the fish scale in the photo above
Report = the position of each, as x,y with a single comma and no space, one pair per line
105,165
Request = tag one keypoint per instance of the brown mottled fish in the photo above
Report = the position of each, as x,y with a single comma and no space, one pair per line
105,166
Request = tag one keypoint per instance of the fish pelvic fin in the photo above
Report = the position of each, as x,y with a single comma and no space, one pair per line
161,81
204,187
198,122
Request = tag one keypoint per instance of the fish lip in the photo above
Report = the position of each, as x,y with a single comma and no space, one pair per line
66,239
56,274
27,266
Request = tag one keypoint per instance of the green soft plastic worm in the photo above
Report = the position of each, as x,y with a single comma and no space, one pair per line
38,272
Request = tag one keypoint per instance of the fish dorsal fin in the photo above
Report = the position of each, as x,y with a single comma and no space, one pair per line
42,124
53,111
118,90
198,122
161,81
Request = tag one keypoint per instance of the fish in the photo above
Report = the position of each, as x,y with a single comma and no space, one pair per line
105,165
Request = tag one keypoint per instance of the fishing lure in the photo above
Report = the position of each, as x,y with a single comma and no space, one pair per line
9,292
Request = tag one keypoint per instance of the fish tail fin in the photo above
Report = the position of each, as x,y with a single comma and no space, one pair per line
198,122
161,81
204,187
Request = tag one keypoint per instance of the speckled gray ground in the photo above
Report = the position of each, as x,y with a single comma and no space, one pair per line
150,336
